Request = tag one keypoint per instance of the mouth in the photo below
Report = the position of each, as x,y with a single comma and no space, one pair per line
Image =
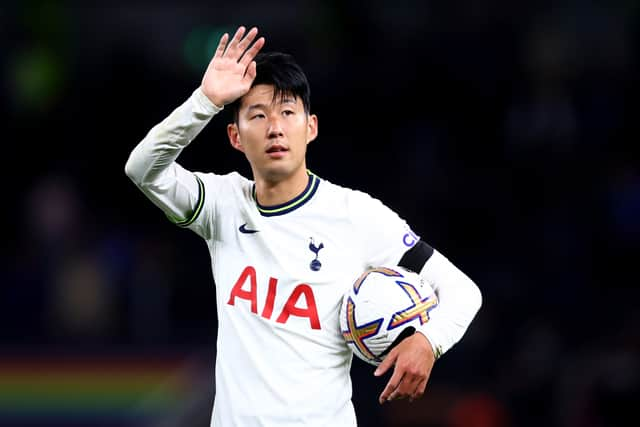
276,151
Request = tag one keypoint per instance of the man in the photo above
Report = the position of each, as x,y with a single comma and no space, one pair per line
286,246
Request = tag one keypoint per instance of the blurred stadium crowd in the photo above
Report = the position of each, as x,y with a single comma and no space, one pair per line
504,132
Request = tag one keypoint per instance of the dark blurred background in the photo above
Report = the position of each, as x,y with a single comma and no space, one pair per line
504,132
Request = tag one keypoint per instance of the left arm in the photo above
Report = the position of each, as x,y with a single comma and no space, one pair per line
459,301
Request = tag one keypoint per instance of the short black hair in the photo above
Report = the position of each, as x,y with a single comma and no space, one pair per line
281,71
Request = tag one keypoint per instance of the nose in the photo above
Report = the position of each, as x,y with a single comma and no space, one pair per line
275,128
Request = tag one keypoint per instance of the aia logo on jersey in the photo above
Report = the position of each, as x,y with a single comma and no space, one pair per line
315,263
301,302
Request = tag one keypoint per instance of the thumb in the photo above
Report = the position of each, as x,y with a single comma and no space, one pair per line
388,362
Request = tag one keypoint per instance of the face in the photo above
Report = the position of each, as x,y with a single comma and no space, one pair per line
273,134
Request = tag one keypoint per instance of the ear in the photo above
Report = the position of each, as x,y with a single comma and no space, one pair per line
312,127
234,136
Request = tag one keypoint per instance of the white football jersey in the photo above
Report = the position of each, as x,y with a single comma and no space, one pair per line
280,274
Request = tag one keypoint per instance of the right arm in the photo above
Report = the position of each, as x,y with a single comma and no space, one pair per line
152,166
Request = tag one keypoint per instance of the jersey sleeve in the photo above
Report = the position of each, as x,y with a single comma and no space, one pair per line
459,300
216,201
152,165
388,240
384,235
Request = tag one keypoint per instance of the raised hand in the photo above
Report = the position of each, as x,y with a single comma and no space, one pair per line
232,68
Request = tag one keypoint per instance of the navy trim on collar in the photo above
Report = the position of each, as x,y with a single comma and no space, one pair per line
293,204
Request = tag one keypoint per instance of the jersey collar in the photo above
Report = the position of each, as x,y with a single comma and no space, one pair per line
293,204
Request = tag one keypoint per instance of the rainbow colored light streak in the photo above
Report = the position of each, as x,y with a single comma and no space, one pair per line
122,387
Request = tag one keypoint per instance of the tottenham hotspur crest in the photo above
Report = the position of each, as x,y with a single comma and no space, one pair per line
315,263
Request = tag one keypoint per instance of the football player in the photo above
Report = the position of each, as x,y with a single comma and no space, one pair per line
285,246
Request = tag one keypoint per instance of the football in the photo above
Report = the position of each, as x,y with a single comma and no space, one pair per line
384,306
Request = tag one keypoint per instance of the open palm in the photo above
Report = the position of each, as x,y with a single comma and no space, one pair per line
232,68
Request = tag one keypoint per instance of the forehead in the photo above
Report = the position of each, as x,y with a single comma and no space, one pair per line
263,95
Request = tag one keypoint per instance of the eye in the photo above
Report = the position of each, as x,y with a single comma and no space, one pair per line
288,112
257,116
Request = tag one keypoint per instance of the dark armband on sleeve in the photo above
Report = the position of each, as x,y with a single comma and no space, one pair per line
416,257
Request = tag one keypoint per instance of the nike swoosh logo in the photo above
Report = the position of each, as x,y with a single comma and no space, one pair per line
243,229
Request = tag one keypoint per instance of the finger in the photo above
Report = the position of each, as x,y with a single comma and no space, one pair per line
250,75
406,388
252,52
386,363
248,38
221,46
233,46
419,391
392,385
